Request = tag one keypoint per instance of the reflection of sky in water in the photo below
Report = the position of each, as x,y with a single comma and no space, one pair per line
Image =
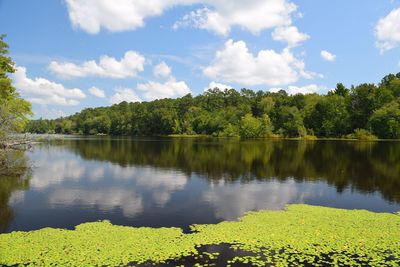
231,201
66,190
74,181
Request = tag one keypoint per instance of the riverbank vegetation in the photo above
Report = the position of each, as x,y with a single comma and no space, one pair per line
15,174
300,235
365,111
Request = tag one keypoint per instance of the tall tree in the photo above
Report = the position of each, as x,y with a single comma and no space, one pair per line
13,109
385,122
329,117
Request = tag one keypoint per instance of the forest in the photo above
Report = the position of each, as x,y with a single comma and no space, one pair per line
365,111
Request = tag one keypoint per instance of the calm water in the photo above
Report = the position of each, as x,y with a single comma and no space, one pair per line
178,182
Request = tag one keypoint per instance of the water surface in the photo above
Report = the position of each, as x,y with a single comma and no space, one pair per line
162,182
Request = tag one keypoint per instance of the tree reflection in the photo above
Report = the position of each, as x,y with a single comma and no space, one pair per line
14,176
363,166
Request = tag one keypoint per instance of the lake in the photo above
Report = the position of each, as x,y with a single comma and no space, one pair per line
163,182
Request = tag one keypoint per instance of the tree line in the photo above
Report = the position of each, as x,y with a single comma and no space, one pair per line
362,111
358,112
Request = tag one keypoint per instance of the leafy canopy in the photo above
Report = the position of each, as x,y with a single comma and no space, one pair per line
13,109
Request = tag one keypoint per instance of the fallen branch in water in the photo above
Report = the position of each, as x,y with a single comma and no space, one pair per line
16,144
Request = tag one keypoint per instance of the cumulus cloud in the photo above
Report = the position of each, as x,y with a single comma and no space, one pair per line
217,15
119,15
97,92
162,70
290,35
328,56
168,89
307,89
235,63
387,31
205,19
151,90
42,91
124,94
254,16
109,67
220,86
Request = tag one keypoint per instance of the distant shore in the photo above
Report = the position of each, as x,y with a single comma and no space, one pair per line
273,138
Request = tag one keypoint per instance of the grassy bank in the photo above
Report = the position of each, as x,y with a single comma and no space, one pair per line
301,234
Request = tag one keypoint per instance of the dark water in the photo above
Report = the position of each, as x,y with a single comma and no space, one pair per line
178,182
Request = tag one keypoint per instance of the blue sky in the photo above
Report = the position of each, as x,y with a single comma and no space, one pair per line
73,54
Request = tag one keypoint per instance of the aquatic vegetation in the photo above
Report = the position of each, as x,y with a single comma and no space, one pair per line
307,234
299,235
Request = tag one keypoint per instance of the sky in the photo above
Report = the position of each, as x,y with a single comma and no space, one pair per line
75,54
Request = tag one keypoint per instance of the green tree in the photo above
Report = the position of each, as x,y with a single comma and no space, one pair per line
289,121
229,131
330,117
392,83
13,109
385,122
267,126
250,127
340,90
362,104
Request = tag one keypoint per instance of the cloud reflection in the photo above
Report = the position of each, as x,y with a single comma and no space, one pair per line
70,181
231,201
162,183
130,202
55,168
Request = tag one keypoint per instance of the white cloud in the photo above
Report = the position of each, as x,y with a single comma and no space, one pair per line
162,70
387,31
307,89
218,15
47,112
290,35
151,90
124,94
220,86
254,15
97,92
169,89
109,67
328,56
204,19
42,91
236,64
118,15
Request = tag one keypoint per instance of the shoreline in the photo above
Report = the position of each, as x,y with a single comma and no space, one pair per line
199,136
